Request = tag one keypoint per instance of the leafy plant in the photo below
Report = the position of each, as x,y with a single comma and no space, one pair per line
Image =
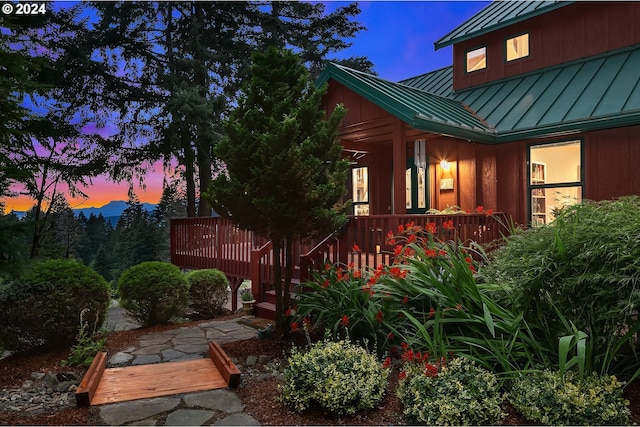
208,291
583,269
341,377
342,301
153,292
457,392
89,343
550,398
42,308
246,294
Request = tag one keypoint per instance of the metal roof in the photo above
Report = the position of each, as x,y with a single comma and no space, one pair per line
420,109
498,14
598,92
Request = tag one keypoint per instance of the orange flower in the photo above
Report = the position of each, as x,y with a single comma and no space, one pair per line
448,225
431,228
294,326
386,362
356,248
480,209
345,320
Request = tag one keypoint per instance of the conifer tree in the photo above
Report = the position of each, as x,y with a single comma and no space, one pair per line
284,172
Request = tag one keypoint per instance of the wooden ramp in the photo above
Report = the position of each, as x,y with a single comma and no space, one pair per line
101,386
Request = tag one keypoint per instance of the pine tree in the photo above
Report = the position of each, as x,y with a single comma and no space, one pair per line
284,172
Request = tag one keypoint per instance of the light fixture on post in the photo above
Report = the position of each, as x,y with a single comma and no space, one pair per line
419,154
446,166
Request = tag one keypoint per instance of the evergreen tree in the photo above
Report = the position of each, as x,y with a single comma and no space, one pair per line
135,237
172,71
284,172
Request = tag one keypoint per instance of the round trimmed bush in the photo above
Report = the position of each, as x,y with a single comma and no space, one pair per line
459,393
153,292
549,398
43,307
340,377
208,291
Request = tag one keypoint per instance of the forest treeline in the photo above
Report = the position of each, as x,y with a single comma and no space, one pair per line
139,235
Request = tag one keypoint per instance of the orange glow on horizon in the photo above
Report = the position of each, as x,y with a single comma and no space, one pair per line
100,193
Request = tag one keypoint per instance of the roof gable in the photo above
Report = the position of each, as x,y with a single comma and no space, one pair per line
435,113
598,92
498,14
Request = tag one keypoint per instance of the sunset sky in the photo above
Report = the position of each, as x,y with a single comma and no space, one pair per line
399,40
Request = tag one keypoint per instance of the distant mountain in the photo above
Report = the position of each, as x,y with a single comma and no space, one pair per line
111,209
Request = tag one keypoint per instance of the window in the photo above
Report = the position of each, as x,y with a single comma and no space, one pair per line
517,47
555,179
477,59
360,181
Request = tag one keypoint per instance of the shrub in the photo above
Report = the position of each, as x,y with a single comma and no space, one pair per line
455,393
550,398
153,292
340,377
208,291
583,269
43,308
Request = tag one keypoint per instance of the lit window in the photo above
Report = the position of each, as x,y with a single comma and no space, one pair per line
517,47
477,59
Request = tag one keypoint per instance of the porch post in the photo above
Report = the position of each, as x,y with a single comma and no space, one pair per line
399,167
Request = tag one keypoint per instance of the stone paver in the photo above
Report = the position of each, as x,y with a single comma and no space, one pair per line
189,417
118,414
185,343
220,400
242,419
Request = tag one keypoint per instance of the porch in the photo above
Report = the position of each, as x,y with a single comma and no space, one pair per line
207,242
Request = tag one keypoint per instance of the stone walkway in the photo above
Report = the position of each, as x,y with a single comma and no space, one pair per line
215,407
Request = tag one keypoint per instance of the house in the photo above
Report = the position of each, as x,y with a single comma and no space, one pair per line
541,108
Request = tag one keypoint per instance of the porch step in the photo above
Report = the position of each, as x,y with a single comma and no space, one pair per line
266,310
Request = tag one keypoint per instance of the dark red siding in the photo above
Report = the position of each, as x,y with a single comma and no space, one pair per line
576,31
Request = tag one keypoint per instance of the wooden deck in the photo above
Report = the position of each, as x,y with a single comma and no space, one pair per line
198,243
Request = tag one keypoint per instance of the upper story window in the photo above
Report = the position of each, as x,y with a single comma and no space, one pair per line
477,59
517,47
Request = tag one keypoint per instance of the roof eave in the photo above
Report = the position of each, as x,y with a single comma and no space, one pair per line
571,128
476,135
445,41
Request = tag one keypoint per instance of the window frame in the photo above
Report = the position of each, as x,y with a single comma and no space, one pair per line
515,36
466,59
532,187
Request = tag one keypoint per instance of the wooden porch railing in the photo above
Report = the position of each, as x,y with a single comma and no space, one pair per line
369,233
206,242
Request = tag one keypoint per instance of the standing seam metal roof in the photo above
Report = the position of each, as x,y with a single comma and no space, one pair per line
498,14
598,92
